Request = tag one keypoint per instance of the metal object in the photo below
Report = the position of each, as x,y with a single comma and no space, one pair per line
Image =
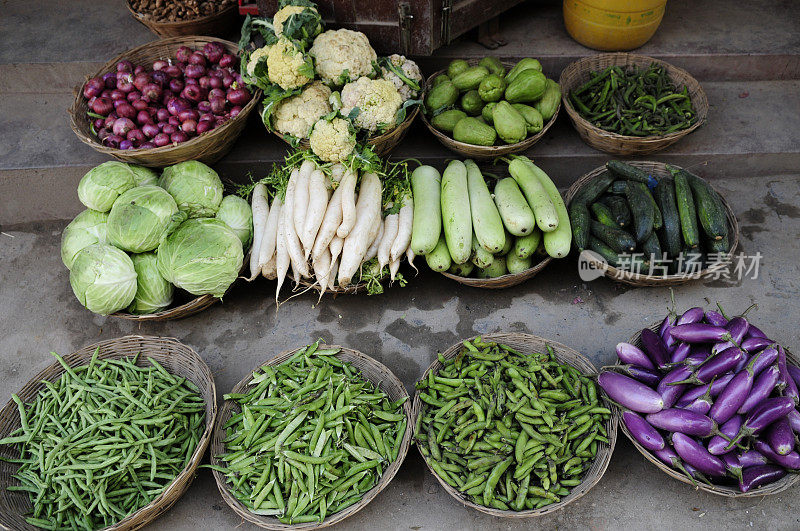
447,9
406,19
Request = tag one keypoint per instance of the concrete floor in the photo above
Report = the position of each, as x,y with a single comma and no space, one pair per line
404,328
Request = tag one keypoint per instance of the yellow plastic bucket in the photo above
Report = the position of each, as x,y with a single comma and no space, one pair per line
613,25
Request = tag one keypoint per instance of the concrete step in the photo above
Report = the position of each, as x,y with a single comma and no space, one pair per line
751,130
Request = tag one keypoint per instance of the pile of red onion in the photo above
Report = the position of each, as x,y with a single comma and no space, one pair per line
137,108
712,397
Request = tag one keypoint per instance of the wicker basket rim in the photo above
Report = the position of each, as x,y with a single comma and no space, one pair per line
507,280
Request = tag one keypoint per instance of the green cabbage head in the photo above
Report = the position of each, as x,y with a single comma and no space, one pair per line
88,228
236,213
196,188
141,218
103,184
202,256
153,293
103,278
143,175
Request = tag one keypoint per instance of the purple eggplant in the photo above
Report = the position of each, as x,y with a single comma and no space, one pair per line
754,331
714,367
695,454
794,420
790,388
762,388
715,318
700,333
683,421
649,377
727,431
668,456
738,327
753,344
721,346
760,475
692,315
714,389
633,355
790,460
780,436
670,393
764,414
629,393
680,352
701,404
642,431
732,464
733,396
663,331
766,357
794,372
752,458
697,355
655,348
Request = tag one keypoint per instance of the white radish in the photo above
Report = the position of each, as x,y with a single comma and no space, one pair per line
322,268
410,257
317,205
394,267
301,195
337,172
299,266
281,255
267,248
332,274
348,186
372,250
330,222
405,222
336,247
260,208
269,270
387,239
368,211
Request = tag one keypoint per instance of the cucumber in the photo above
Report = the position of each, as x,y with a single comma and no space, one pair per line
579,220
686,211
525,246
710,210
497,269
641,209
508,246
657,219
556,242
538,198
590,191
603,214
718,246
480,256
606,252
456,216
619,209
515,264
652,249
462,270
616,238
514,210
670,233
618,187
439,258
630,173
427,224
486,222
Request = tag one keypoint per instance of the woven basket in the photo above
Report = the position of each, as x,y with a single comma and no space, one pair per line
382,145
505,281
529,344
177,358
721,490
373,371
657,170
484,152
196,305
207,148
578,73
219,24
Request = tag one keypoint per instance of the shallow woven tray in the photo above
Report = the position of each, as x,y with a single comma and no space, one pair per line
207,148
484,152
501,282
219,24
383,144
176,357
373,371
528,344
196,305
657,170
721,490
578,73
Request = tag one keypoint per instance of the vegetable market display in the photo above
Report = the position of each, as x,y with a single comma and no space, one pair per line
711,397
508,430
311,437
336,225
178,10
326,88
484,105
143,235
104,440
168,102
461,228
637,223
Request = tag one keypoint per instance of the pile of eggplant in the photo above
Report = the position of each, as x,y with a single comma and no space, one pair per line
712,397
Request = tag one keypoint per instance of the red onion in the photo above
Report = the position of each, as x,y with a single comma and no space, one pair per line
136,136
214,82
168,129
204,126
174,120
176,84
150,130
134,95
99,123
183,53
197,58
190,81
216,72
139,105
125,82
216,93
102,106
160,78
110,120
227,61
239,96
203,106
166,96
102,134
152,92
122,126
126,144
146,145
176,105
160,64
238,77
117,95
194,93
235,110
112,141
204,82
189,127
172,71
110,79
161,139
162,115
213,51
189,114
178,137
217,105
140,80
124,66
126,110
194,71
106,94
227,80
139,69
143,117
94,87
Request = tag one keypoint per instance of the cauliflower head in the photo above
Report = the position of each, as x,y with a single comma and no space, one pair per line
257,55
408,69
377,101
283,14
287,66
298,114
342,55
308,28
332,141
